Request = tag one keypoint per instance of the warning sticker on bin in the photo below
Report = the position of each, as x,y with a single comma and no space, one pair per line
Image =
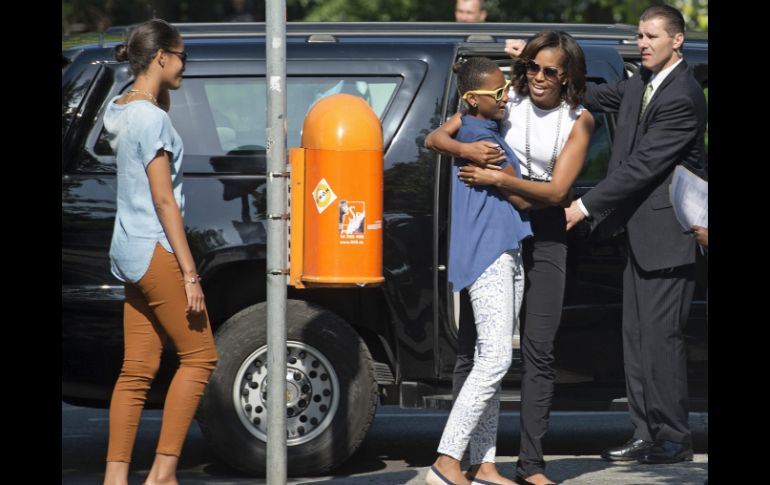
323,196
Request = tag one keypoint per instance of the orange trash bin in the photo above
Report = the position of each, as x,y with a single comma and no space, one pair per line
336,196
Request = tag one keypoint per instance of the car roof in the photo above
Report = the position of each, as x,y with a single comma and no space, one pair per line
401,32
423,29
233,40
396,29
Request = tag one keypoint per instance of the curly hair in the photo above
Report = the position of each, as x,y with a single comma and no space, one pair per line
574,64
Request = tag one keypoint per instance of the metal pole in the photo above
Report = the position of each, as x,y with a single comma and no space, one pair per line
275,46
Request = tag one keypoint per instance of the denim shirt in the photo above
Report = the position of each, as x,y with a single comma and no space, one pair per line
136,131
484,224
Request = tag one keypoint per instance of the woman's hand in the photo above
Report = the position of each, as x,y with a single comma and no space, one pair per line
196,302
483,153
475,176
513,47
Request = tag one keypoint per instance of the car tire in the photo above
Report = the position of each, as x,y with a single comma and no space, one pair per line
338,408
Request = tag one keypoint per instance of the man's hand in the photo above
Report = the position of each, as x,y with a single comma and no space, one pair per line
701,235
513,47
478,176
574,215
482,153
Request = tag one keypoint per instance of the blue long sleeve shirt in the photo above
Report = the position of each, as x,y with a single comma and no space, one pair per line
483,224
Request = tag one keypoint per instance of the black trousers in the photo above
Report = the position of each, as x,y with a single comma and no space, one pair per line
656,306
545,263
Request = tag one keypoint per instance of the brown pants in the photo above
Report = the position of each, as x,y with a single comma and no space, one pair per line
153,311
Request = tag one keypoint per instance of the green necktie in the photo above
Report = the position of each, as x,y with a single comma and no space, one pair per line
646,98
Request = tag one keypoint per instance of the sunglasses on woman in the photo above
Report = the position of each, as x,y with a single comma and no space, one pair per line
181,54
497,93
551,73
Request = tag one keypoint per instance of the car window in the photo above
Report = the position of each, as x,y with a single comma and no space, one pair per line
237,105
227,116
598,157
74,85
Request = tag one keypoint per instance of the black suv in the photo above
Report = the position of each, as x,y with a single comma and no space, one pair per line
348,348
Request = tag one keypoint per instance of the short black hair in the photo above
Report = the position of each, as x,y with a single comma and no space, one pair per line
481,4
471,72
673,17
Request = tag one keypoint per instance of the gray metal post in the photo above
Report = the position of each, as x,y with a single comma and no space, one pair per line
275,46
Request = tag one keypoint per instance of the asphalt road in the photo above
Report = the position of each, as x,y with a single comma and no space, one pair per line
397,450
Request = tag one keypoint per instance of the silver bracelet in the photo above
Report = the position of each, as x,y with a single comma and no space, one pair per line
193,280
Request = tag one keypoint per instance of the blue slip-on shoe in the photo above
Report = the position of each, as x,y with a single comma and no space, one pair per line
434,477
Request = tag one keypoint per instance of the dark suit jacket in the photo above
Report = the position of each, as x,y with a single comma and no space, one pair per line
635,192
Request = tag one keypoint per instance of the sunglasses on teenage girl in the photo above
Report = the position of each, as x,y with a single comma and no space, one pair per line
497,93
181,54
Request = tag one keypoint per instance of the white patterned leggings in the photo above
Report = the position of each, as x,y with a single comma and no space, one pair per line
496,299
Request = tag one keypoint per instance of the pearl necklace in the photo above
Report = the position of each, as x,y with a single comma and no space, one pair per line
549,169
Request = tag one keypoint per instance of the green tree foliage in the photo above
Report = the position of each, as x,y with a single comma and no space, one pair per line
97,15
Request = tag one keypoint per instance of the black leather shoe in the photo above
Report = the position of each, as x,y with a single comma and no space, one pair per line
632,450
667,452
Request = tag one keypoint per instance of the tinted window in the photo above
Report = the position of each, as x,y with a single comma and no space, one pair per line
227,116
74,85
598,157
239,113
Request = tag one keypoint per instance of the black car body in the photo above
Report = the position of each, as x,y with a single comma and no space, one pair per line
406,329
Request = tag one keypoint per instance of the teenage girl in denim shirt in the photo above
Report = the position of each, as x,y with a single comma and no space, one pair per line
485,257
150,254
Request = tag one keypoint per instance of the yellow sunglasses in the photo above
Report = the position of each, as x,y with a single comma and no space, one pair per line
497,93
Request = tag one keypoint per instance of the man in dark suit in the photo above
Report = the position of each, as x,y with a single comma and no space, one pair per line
661,120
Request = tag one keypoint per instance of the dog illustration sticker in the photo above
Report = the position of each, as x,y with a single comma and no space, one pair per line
323,195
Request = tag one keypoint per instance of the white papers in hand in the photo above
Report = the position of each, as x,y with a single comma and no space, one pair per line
690,197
